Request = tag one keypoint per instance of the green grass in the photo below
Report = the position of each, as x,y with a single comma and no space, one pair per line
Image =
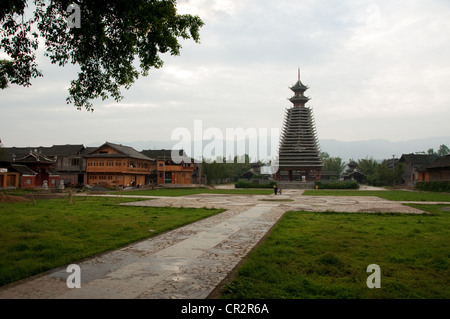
51,233
395,195
20,191
325,255
194,191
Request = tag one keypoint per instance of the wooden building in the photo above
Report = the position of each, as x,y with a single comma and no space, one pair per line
43,166
299,154
67,162
9,179
119,165
169,171
416,167
439,170
21,172
353,174
27,176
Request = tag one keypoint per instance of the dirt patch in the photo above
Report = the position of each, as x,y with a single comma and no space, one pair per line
12,199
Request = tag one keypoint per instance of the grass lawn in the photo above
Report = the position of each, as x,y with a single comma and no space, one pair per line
325,255
193,191
52,233
395,195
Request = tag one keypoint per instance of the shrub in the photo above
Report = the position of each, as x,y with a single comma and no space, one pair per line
338,185
437,186
242,184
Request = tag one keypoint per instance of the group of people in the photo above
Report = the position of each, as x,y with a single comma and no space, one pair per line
276,189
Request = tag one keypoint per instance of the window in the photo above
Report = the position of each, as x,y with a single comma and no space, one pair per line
75,162
28,181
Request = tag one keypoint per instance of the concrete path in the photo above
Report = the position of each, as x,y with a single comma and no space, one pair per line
191,261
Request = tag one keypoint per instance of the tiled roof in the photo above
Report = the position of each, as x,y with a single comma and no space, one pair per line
126,151
163,153
33,157
9,153
22,169
88,150
418,158
441,162
53,151
64,150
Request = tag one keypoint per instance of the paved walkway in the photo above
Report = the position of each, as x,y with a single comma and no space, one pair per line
191,261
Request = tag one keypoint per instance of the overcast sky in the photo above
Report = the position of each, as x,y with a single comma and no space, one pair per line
375,70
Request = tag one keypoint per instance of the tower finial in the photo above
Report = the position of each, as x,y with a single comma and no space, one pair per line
299,73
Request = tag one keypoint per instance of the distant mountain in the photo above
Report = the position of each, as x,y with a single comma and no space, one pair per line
378,149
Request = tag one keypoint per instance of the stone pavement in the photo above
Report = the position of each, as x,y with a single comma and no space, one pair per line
191,261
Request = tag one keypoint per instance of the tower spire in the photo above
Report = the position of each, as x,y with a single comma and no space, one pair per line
299,99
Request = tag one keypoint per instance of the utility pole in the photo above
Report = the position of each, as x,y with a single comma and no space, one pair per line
393,162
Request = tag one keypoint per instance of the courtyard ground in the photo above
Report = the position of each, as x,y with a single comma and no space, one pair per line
191,261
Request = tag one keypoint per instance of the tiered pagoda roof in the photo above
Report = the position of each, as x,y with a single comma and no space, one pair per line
299,99
299,147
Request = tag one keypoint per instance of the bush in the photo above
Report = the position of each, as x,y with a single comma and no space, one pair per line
438,186
242,184
338,185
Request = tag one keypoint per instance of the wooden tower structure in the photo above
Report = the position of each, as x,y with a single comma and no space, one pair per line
299,152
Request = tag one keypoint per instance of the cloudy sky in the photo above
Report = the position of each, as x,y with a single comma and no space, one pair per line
376,69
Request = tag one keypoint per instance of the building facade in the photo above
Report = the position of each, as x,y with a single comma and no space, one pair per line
439,170
67,162
118,165
9,178
416,167
167,171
